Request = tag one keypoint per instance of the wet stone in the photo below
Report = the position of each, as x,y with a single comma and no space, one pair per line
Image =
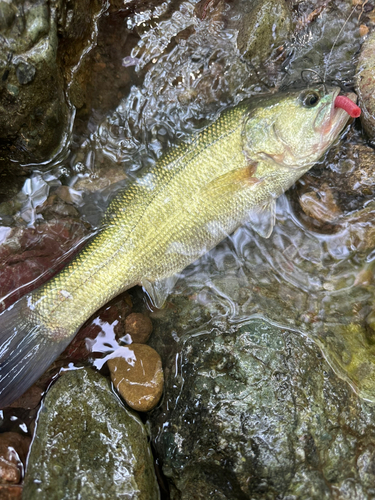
10,492
30,399
138,376
320,205
34,83
365,85
30,256
138,327
105,176
88,445
25,73
254,412
339,188
100,332
263,26
13,452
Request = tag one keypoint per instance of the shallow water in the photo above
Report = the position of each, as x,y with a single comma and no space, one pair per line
299,277
182,71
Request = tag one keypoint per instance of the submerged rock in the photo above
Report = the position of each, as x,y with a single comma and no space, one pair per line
34,112
365,85
88,445
10,492
41,43
339,188
30,256
138,327
13,452
262,27
138,376
254,412
320,204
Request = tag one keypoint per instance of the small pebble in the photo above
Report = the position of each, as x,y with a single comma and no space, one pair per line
138,376
13,452
139,327
63,192
363,30
25,72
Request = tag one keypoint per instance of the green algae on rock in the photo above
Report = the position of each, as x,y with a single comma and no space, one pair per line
262,27
253,412
88,445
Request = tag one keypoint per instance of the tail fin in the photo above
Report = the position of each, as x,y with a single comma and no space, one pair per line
27,348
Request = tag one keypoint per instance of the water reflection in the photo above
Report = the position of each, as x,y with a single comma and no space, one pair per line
184,71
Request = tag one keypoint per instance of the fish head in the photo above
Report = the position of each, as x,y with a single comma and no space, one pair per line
294,129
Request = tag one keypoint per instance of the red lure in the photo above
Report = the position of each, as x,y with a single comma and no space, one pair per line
347,105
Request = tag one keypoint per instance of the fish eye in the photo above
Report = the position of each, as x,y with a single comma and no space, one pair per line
309,98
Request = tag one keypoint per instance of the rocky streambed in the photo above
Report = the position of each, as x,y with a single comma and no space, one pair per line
256,380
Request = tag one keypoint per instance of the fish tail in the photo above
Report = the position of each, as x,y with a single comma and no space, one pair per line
27,348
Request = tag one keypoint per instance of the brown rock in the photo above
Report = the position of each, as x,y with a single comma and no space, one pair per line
9,472
13,452
363,30
29,399
10,492
104,177
138,376
104,325
339,188
139,327
31,256
320,205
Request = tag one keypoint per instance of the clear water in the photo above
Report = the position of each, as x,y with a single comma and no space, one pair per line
183,71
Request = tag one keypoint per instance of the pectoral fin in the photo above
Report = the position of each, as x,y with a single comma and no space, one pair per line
158,291
263,219
232,181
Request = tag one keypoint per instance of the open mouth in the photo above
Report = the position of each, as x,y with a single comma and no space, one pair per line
341,109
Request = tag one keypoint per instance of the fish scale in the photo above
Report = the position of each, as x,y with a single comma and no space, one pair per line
195,195
112,261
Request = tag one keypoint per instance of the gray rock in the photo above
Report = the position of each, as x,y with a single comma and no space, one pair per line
88,445
365,85
262,27
254,412
40,43
34,112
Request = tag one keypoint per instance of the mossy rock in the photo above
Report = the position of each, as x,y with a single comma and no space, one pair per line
88,445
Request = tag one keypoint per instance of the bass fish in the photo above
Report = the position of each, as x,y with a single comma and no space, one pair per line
198,193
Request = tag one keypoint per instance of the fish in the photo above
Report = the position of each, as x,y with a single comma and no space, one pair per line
198,192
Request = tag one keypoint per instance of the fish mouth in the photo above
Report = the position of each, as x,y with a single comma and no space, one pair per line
337,117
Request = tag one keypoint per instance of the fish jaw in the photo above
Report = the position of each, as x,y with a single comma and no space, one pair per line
334,121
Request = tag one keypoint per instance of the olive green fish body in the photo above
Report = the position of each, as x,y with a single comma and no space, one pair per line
160,224
196,194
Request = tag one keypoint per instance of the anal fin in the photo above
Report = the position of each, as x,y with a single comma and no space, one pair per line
159,290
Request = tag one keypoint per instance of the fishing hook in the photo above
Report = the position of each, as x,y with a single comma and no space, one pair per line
321,81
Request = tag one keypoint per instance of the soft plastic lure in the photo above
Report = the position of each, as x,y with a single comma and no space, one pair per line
347,105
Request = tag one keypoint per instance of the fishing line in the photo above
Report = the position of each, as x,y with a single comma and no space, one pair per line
336,39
